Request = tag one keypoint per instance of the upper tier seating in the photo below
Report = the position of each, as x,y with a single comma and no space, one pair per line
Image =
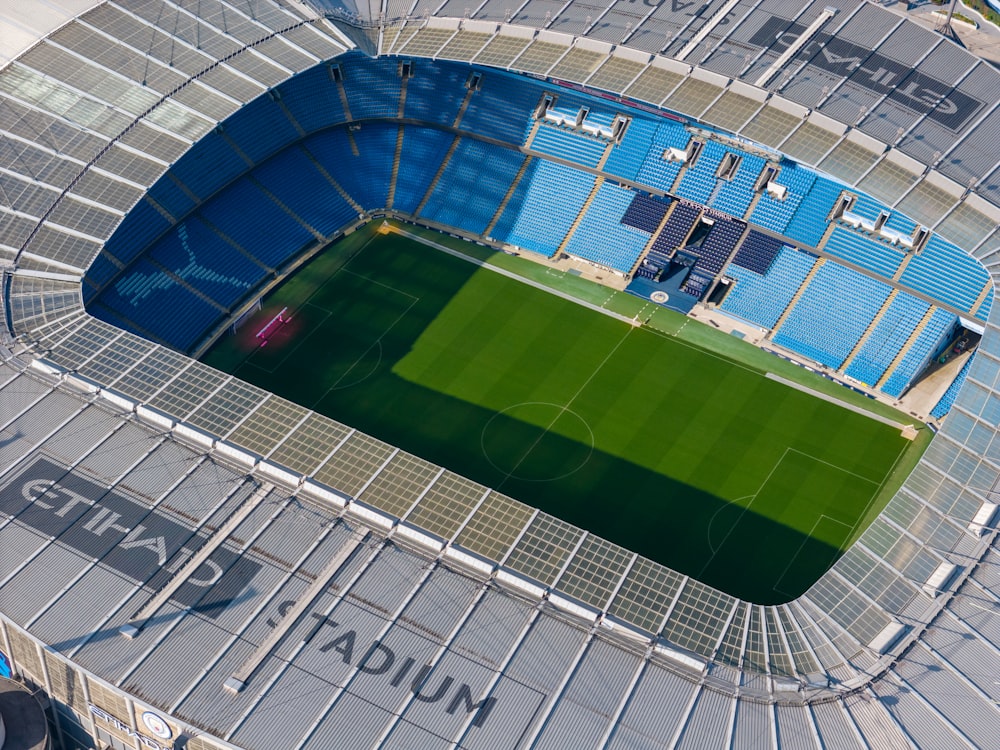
832,314
473,184
889,335
762,298
601,236
546,210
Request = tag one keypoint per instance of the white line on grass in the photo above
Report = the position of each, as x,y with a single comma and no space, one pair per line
302,340
794,557
563,409
740,516
376,342
835,466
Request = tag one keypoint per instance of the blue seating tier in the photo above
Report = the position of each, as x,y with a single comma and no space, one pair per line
602,238
207,262
435,92
948,399
262,130
810,220
372,86
366,176
757,252
762,298
310,194
101,271
473,184
149,299
553,198
862,250
934,335
645,212
568,144
775,214
832,314
423,151
887,338
718,246
734,197
627,157
313,99
677,228
210,165
169,196
655,170
699,180
141,225
257,224
502,107
946,273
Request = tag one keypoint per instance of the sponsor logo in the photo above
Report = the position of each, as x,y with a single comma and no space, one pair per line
905,86
123,534
121,726
155,724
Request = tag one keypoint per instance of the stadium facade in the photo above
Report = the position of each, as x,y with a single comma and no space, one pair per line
188,561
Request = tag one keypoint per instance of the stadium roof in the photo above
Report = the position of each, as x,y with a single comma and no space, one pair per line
169,479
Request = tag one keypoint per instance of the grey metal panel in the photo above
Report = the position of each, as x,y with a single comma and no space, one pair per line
30,428
874,720
491,632
17,544
167,671
158,472
115,455
708,725
407,736
753,726
493,627
585,708
794,728
835,726
940,687
656,707
80,434
81,610
43,578
540,664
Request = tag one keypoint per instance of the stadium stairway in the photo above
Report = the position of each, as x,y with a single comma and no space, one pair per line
399,145
868,332
905,349
510,193
329,178
285,207
437,176
464,106
395,162
652,238
798,295
579,217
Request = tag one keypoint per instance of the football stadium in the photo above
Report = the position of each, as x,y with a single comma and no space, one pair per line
497,375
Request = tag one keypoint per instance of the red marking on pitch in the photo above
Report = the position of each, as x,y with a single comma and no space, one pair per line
268,328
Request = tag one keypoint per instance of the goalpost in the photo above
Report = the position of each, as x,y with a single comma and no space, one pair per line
246,315
272,325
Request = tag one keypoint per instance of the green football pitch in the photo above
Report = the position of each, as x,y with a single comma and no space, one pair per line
674,451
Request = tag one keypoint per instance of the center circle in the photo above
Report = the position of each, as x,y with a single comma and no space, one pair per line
537,441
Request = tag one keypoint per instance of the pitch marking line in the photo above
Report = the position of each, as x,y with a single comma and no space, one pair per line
740,516
795,557
377,342
290,352
563,410
835,466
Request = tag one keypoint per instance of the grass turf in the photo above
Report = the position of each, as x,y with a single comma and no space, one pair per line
667,448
